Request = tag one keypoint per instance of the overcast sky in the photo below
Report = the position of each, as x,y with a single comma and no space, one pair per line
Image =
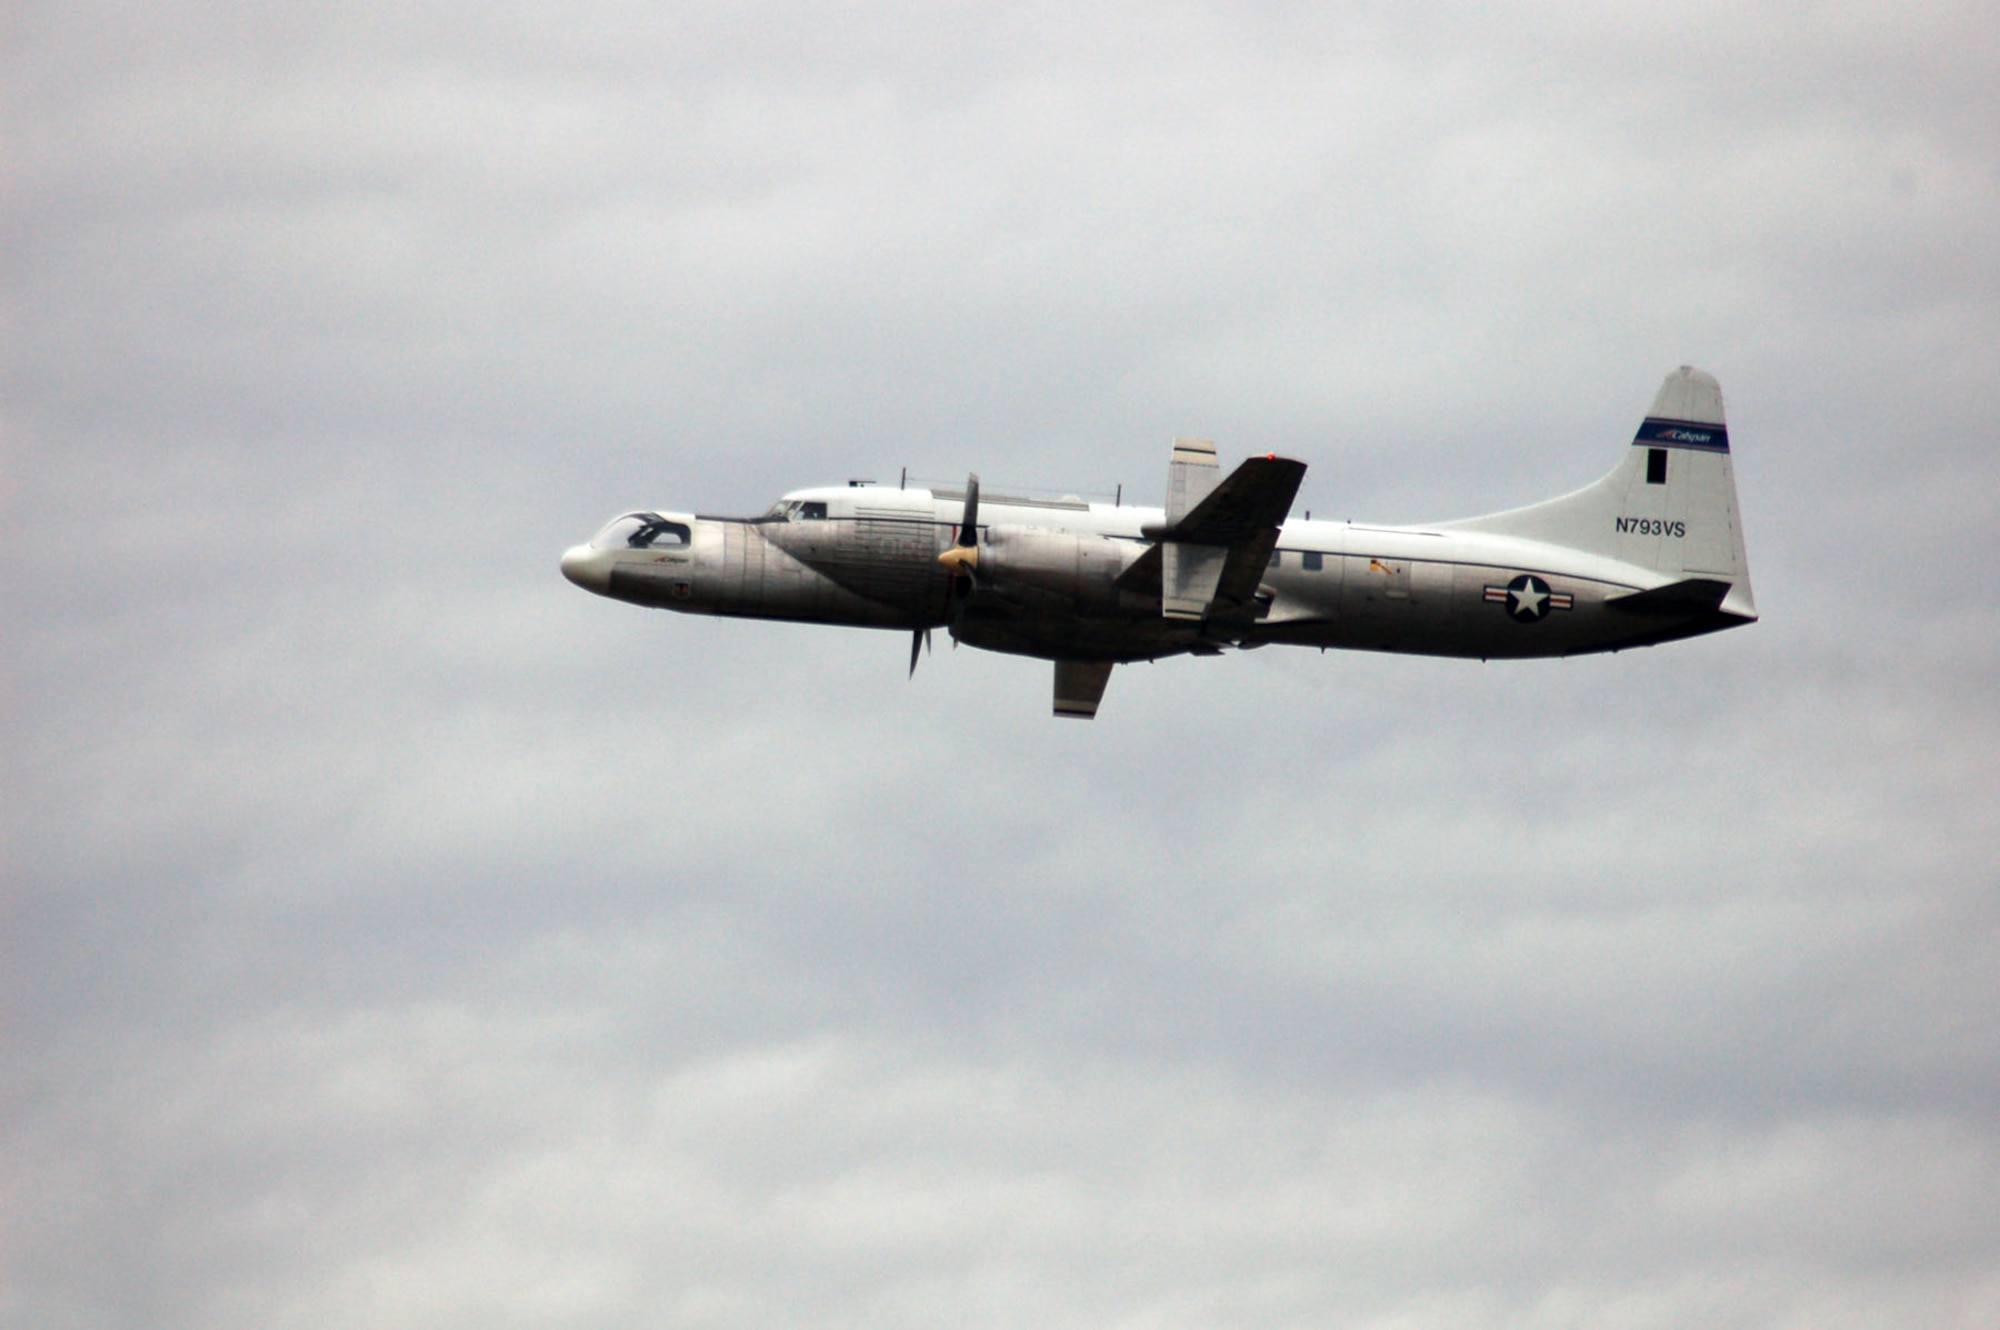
394,935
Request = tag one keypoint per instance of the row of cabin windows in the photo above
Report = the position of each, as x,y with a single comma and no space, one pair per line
1310,560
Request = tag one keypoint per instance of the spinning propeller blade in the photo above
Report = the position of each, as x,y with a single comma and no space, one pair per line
963,556
968,527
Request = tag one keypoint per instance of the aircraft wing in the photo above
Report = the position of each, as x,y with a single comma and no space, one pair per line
1252,499
1209,564
1143,576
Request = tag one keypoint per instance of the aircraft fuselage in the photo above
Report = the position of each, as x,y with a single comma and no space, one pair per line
871,561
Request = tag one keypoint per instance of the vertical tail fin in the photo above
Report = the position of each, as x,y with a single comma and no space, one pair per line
1669,506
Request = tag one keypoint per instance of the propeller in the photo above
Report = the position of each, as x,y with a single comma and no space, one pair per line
964,554
961,560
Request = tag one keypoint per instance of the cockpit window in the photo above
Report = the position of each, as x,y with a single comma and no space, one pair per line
815,511
661,534
640,531
798,510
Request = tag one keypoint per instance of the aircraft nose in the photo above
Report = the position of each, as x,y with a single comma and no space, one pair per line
587,568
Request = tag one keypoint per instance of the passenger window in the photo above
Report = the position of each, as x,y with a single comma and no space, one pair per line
1310,561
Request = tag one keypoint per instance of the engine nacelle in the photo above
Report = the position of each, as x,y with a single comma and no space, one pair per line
1077,566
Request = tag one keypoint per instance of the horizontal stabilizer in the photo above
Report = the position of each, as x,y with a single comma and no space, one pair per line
1692,596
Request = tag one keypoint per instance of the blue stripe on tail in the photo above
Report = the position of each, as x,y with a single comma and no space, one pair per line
1659,432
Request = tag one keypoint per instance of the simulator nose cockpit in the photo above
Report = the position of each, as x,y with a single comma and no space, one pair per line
642,531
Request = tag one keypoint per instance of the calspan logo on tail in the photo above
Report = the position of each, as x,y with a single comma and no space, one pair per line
1221,565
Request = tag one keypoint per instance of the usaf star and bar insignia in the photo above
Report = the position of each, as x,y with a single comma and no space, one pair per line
1528,598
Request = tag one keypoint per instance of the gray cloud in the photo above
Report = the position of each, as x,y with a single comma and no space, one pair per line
396,935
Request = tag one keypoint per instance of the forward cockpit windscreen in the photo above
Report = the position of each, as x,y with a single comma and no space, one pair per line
641,531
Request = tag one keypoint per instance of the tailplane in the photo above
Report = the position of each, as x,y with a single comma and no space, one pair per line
1669,506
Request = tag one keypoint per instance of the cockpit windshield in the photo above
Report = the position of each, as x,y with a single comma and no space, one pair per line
642,531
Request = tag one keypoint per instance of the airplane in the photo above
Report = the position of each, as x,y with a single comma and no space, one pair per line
1650,553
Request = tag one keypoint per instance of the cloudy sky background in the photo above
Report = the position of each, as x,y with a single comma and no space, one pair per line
395,935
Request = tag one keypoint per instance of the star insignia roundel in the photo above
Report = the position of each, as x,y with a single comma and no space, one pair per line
1528,598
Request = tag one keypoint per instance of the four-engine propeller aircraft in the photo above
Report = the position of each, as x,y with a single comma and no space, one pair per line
1652,552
